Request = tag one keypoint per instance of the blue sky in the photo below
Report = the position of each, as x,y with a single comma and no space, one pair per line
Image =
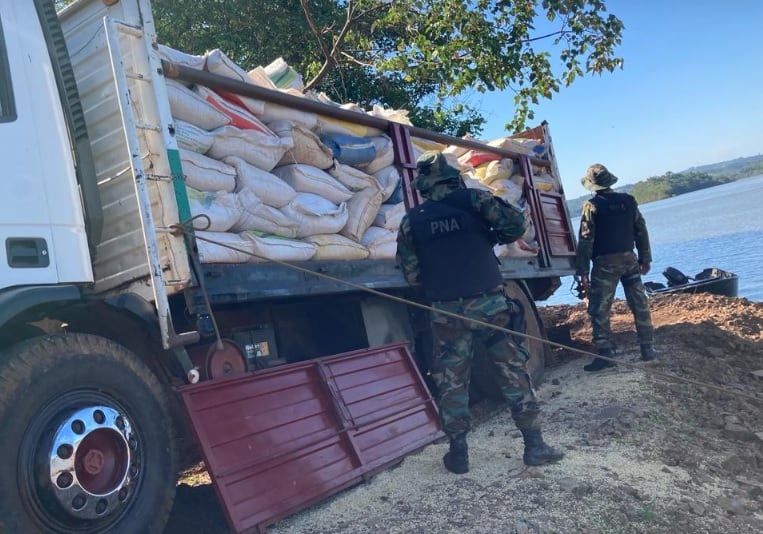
690,93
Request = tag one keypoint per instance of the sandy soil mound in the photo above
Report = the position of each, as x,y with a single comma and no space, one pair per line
644,454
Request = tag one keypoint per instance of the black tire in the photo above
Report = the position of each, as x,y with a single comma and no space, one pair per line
87,442
483,377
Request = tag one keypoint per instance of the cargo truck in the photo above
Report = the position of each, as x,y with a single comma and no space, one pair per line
119,347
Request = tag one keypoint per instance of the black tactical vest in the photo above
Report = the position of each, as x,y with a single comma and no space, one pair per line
614,218
454,248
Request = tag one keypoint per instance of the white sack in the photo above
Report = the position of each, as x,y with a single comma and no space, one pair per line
390,215
376,235
306,148
206,174
506,190
220,207
283,76
383,251
269,188
491,171
316,215
214,253
192,137
182,58
239,116
388,179
255,147
309,179
279,248
352,178
337,247
361,211
258,216
385,155
274,112
188,106
221,64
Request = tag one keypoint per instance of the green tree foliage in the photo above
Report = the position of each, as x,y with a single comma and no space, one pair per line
670,184
427,56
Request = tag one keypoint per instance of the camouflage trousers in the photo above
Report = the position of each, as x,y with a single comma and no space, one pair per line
607,271
454,342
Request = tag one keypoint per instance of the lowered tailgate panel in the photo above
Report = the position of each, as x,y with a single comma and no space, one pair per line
279,440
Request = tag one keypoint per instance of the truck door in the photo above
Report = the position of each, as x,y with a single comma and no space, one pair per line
42,231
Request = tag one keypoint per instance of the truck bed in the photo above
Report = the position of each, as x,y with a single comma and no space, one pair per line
124,100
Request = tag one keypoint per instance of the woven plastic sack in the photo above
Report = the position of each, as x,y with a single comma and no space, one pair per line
494,170
221,64
361,212
283,76
273,247
389,216
191,137
269,188
349,149
239,116
376,235
309,179
254,215
256,148
219,208
506,190
307,147
337,247
182,58
316,215
220,247
188,106
388,178
385,154
206,174
383,251
352,178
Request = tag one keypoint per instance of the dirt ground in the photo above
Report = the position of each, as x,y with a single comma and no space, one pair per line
643,453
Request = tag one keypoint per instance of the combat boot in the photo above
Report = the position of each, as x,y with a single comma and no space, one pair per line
456,460
647,352
537,452
600,363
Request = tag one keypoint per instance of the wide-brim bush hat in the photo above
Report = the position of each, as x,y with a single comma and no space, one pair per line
597,177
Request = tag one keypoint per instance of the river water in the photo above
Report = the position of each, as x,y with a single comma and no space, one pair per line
720,226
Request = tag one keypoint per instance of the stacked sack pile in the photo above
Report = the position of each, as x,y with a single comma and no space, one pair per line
275,183
503,178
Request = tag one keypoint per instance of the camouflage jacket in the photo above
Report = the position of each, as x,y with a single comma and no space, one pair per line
506,221
587,235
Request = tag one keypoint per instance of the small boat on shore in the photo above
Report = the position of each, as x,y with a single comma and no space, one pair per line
710,280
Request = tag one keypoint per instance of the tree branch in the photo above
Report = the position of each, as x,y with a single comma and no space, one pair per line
330,56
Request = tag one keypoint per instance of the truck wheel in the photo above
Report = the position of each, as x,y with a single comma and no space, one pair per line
87,443
483,382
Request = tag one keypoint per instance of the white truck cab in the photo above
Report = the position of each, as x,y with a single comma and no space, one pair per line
42,226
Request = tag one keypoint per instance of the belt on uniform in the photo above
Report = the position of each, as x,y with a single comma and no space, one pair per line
484,294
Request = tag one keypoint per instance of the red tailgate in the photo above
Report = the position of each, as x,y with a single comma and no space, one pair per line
279,440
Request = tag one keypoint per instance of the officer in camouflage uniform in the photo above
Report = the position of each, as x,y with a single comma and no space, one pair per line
610,225
445,247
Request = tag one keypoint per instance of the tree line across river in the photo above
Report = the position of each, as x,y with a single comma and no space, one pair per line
671,184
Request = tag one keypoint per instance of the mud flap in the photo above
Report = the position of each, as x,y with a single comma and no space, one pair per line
279,440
